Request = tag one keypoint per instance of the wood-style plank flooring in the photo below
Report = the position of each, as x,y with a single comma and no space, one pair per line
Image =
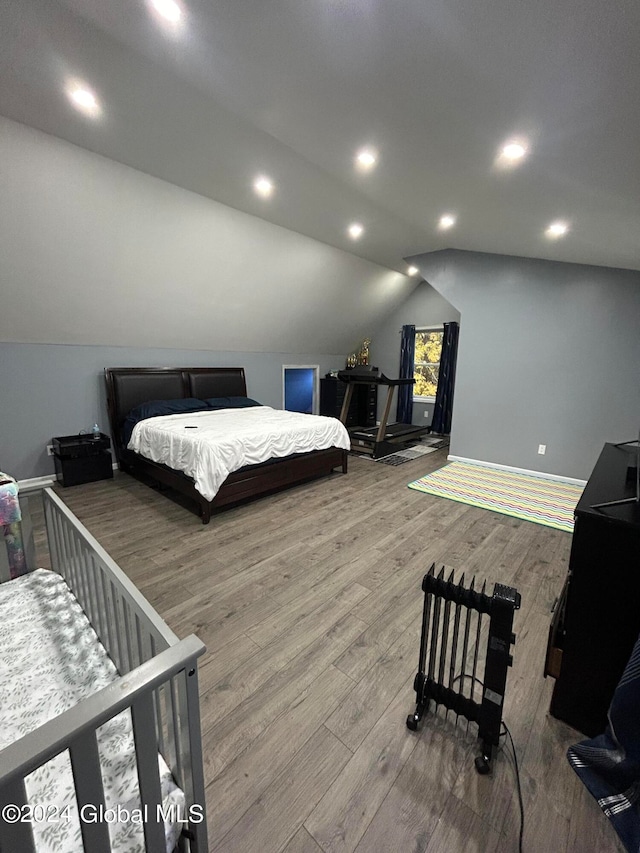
309,602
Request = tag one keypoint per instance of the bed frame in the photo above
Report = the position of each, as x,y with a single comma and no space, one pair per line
158,683
129,386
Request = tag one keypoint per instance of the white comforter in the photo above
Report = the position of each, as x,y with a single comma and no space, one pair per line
208,446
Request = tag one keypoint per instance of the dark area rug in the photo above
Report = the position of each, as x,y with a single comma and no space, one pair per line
429,444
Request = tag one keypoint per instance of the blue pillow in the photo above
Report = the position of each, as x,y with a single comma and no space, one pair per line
231,402
156,408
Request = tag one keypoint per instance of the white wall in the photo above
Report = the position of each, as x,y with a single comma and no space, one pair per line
94,252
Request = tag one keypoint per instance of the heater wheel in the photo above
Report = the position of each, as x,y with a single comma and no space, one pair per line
482,765
412,722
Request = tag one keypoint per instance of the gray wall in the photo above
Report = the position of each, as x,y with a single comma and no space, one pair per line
549,354
102,265
50,390
424,307
94,252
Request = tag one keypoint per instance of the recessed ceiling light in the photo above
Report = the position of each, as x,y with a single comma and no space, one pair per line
168,9
263,186
557,229
447,220
412,270
355,230
366,159
513,151
84,99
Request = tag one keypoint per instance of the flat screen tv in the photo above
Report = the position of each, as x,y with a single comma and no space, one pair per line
633,475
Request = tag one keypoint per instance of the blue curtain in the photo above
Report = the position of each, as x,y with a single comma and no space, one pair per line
443,409
405,392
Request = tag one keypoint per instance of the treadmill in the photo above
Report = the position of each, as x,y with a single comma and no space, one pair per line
386,438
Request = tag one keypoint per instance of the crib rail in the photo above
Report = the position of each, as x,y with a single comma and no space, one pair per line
76,730
127,625
158,684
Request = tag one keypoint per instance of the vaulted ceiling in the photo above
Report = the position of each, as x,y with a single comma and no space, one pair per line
292,90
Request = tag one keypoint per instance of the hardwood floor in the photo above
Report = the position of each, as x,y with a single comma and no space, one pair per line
309,602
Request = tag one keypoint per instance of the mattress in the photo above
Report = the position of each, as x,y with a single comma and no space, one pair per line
208,446
52,659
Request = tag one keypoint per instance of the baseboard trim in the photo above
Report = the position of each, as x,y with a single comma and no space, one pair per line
557,477
44,482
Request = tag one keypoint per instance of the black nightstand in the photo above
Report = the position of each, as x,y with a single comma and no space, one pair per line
82,458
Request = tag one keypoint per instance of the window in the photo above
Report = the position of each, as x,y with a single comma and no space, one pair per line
426,366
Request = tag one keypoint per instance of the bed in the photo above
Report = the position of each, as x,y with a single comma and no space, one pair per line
100,745
130,387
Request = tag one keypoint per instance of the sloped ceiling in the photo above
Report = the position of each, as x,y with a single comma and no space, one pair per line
292,89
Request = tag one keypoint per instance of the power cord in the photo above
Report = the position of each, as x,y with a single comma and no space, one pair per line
518,785
506,733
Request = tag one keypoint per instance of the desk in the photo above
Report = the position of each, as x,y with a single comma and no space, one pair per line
602,606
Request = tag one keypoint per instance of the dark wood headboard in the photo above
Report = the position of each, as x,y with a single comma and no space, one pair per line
127,387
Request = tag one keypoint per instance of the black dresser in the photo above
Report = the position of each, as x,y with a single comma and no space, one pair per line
597,620
363,407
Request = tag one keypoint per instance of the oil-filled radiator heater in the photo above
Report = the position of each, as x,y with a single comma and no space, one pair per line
455,644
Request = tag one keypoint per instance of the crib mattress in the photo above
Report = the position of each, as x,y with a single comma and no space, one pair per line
51,659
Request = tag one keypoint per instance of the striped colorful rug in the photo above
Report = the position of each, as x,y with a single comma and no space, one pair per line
537,499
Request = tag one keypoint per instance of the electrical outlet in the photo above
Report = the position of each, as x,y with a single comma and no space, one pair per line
426,414
542,449
49,449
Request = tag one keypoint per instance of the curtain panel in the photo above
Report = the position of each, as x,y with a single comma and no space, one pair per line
404,412
443,409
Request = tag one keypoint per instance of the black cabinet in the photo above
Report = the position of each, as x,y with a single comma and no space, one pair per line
82,458
363,407
598,620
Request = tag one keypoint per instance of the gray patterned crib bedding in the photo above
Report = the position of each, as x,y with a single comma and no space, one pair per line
50,659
